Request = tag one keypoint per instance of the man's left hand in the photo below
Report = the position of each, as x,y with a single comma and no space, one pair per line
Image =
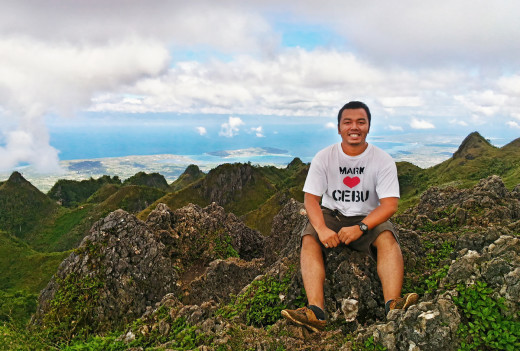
349,234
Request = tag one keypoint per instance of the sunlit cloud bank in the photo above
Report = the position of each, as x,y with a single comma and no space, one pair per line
418,65
37,78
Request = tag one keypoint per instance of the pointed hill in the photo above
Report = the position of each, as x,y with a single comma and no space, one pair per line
475,159
262,217
71,193
189,176
240,188
513,146
152,180
473,146
23,207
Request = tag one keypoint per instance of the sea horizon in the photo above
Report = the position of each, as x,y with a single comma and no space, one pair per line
92,146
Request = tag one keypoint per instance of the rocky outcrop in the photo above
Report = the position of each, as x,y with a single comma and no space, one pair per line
488,203
498,266
122,266
429,325
202,271
221,279
285,232
130,265
202,233
222,183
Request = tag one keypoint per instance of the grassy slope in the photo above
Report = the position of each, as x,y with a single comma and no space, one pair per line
258,200
71,225
23,268
23,208
188,177
475,159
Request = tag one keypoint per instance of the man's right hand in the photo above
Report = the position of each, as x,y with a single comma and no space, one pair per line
328,237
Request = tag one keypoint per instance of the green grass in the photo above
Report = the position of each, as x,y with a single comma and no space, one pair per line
66,231
22,268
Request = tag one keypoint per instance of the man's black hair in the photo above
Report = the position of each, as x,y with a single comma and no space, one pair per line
353,105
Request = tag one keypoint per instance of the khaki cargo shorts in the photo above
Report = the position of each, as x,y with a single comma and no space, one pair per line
363,244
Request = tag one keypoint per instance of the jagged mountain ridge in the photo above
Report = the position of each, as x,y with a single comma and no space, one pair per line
257,193
490,227
437,229
475,159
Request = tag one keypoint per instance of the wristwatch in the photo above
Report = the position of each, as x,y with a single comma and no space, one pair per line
363,227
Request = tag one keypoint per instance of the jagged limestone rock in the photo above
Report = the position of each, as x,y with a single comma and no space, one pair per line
221,279
127,268
427,326
487,203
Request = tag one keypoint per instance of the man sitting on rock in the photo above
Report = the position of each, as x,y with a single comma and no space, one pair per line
359,190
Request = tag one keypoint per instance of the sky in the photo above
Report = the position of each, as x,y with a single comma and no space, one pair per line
437,67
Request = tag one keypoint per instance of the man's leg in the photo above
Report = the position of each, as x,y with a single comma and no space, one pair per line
390,266
313,274
313,271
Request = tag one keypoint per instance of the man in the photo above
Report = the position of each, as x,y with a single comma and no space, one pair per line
359,190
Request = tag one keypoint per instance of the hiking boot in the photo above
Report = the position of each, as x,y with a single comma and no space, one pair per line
402,303
305,316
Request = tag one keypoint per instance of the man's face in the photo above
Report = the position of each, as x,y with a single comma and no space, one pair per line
353,126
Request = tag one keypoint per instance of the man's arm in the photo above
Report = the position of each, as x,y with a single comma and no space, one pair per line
387,207
326,235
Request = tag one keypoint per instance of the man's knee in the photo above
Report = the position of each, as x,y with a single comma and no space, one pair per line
385,239
309,240
310,248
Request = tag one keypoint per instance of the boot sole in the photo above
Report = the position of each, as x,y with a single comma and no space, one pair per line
290,318
411,299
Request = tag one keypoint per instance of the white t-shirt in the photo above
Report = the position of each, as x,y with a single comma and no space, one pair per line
352,184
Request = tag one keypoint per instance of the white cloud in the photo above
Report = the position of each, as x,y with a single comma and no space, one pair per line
231,128
259,132
421,124
201,130
331,125
395,128
459,122
127,56
401,101
510,84
513,124
222,26
295,82
38,78
487,103
437,32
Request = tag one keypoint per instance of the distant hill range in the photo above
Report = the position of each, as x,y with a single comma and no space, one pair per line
58,220
243,222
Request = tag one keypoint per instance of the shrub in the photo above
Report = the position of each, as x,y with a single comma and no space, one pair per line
486,327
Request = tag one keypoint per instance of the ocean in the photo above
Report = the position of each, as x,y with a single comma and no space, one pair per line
93,145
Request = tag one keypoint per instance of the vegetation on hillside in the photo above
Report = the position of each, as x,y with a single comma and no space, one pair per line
71,193
38,230
23,208
152,180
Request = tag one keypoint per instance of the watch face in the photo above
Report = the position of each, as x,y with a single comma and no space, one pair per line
363,227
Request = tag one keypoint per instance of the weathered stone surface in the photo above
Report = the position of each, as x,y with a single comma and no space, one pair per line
285,232
497,266
128,260
222,278
191,222
487,203
175,266
426,326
